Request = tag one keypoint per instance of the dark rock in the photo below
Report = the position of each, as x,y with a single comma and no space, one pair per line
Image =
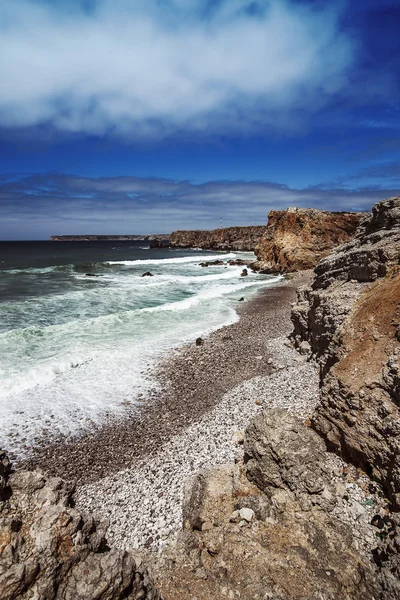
213,263
241,299
147,274
244,273
91,275
199,341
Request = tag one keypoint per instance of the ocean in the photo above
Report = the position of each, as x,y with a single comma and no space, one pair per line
75,349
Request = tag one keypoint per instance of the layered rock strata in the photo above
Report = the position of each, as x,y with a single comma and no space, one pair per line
350,321
50,551
296,239
227,238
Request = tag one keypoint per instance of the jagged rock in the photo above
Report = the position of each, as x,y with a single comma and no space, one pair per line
239,542
50,551
296,239
212,263
228,238
350,318
147,274
280,452
199,341
244,273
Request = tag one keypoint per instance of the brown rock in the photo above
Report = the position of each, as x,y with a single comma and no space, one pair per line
297,239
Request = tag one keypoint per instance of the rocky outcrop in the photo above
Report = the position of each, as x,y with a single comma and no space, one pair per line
228,238
296,239
265,528
50,551
350,321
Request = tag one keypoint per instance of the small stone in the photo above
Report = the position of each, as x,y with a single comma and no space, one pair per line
238,437
235,517
199,341
207,526
258,402
246,513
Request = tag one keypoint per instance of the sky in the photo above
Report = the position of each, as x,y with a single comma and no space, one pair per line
145,116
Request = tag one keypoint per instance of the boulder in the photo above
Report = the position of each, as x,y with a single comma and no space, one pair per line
51,551
147,274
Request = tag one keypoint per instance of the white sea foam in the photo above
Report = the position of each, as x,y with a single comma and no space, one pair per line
73,354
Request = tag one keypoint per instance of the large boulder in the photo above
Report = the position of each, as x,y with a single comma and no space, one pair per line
51,551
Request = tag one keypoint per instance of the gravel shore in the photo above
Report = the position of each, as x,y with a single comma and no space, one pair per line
237,371
191,381
132,472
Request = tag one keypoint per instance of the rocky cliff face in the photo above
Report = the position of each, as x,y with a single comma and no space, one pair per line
297,239
50,551
229,238
350,322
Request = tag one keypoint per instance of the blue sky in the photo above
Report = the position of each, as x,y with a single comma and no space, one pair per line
121,116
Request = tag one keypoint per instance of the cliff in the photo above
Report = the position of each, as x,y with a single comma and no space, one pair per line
349,321
297,238
229,238
107,238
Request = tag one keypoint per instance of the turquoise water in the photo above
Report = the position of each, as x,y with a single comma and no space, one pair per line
74,348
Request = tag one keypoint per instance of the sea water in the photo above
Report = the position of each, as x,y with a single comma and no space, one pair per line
76,348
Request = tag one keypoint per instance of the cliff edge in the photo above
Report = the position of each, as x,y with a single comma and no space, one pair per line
297,238
228,238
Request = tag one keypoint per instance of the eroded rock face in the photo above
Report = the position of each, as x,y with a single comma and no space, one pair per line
50,551
260,539
350,319
228,238
297,239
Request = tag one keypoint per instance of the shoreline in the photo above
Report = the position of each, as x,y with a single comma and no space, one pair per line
191,380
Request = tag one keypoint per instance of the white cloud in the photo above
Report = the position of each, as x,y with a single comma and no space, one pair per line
150,69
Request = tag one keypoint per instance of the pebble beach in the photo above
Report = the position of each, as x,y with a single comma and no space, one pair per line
132,473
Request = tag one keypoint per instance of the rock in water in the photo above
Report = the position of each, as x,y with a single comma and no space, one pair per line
147,274
244,273
199,341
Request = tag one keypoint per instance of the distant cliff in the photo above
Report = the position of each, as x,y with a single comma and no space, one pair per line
106,238
298,238
227,238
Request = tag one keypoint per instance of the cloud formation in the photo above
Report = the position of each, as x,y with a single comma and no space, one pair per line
37,206
149,69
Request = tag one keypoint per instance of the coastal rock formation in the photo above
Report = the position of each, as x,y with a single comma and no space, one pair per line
264,528
297,238
50,551
108,238
228,238
350,320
